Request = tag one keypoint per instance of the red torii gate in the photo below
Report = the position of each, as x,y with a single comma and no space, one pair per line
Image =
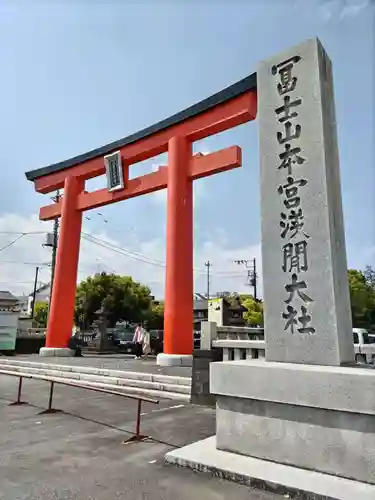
229,108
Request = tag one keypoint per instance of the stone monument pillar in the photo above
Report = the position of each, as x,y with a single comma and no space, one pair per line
306,293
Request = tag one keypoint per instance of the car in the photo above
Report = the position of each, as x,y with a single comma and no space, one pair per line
364,346
124,340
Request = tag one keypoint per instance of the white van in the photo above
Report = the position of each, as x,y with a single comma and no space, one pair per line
364,346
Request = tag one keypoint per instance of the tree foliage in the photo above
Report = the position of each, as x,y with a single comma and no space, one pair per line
41,314
254,314
123,299
155,316
362,296
120,297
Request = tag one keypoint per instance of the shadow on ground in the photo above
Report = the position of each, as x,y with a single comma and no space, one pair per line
79,453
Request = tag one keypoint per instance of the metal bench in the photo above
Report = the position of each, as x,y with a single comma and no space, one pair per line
53,380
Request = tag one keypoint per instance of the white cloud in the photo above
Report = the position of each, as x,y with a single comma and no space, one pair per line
143,260
341,9
160,197
199,190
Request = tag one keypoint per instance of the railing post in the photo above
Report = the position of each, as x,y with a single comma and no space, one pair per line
208,334
50,396
137,436
19,402
138,425
50,409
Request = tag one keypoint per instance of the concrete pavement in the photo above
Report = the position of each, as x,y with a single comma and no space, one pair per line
79,454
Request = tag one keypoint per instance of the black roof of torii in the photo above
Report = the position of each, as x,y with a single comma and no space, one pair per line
248,83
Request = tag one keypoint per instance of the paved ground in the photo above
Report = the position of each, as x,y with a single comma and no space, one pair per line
79,454
111,361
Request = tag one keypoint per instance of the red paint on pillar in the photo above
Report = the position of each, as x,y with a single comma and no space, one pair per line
178,313
60,321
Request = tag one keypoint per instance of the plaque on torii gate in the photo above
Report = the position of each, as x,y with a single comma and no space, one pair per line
228,108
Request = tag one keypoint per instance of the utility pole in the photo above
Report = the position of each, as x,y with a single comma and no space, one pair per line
54,247
208,265
252,277
34,291
55,237
255,278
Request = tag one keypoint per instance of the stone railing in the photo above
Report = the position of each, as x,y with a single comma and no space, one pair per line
31,332
236,342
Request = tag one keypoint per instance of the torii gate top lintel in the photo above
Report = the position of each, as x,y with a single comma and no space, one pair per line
228,108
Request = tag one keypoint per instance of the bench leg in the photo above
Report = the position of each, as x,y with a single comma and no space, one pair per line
19,401
137,436
50,409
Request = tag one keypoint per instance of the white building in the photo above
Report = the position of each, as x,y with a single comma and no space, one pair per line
42,295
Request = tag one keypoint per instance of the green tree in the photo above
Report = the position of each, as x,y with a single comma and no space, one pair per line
155,316
254,314
369,274
41,314
121,298
362,296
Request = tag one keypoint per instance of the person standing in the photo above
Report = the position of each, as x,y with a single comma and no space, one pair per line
146,344
138,340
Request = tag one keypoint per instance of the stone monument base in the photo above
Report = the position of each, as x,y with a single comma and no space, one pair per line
174,359
203,456
200,377
320,418
56,352
302,427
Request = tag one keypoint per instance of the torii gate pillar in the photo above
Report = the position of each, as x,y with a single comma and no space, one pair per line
178,312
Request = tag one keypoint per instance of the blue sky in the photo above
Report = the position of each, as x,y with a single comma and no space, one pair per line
77,75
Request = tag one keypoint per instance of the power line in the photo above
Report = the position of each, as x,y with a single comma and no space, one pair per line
24,263
120,251
115,248
144,258
124,250
12,242
22,232
147,260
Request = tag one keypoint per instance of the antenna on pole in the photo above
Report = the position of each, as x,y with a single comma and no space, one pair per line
252,277
208,266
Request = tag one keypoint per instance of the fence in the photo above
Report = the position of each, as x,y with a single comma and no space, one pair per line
236,342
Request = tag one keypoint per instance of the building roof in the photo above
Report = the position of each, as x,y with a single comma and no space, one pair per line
200,305
40,289
6,296
245,85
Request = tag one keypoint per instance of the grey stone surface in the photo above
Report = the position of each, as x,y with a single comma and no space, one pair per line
174,359
333,442
110,362
51,352
316,417
141,384
322,236
208,334
200,380
79,454
330,387
291,482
